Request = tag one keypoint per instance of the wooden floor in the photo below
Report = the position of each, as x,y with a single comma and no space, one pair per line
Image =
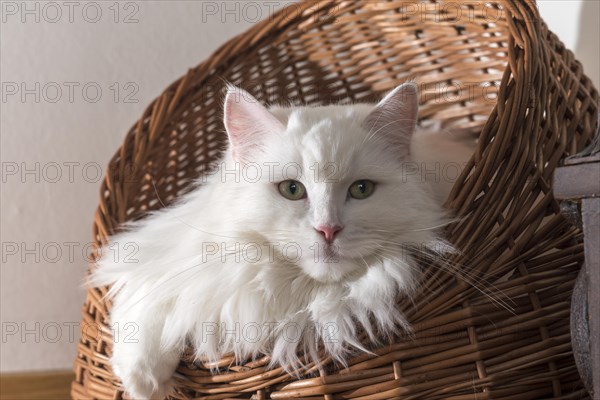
54,385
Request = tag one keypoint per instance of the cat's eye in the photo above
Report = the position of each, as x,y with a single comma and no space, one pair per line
292,190
361,189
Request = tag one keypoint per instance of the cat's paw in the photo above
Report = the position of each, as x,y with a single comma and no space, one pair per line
141,382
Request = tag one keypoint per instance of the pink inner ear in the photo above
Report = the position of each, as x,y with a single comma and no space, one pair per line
248,124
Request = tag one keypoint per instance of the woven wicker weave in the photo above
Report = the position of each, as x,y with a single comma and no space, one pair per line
491,68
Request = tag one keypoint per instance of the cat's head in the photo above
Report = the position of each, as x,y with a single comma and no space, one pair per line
337,190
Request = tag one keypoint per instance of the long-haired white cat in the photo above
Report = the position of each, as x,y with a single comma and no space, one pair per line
296,242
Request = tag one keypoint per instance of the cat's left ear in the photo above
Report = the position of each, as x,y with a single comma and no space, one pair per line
395,117
248,123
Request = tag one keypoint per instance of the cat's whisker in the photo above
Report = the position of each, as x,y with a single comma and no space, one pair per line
431,255
430,252
429,228
475,281
490,295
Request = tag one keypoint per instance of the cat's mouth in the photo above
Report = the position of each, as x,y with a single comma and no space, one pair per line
332,252
328,253
331,263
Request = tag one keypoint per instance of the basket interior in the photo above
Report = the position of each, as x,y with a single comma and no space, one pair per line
354,56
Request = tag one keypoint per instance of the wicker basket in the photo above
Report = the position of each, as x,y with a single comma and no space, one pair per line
497,327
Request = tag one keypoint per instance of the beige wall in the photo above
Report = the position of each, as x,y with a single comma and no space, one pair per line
53,149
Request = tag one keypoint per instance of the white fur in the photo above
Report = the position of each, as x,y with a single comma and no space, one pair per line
176,290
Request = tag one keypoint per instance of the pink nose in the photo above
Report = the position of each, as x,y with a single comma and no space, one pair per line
329,231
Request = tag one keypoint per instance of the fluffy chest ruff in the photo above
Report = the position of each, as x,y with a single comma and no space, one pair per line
272,307
250,299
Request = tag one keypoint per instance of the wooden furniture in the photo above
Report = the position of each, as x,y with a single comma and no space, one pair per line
577,184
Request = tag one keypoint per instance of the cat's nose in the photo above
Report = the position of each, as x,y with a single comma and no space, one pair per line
329,231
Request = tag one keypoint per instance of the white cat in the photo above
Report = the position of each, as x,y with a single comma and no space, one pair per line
295,242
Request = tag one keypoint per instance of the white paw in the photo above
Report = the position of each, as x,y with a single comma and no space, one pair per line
141,382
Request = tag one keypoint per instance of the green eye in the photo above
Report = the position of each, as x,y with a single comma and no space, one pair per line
292,190
361,189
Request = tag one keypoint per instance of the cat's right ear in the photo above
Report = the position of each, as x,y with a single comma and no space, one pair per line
248,124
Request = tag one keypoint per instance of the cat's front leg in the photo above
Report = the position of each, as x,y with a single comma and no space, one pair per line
144,365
